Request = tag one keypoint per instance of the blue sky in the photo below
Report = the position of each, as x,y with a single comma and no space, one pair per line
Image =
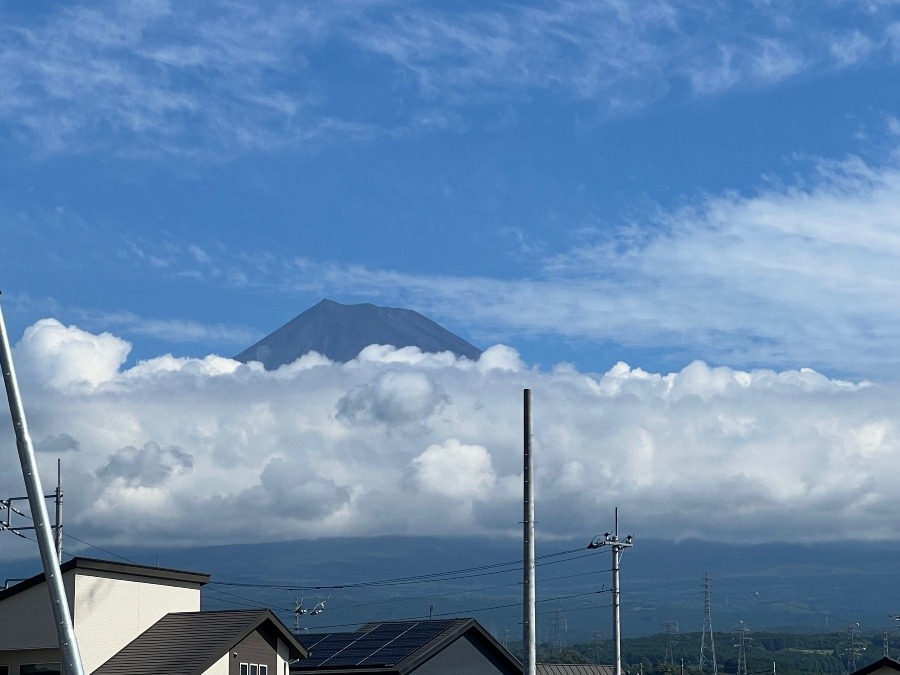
191,175
679,222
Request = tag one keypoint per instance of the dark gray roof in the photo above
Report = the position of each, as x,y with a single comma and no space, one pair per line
573,669
390,646
885,662
128,569
188,643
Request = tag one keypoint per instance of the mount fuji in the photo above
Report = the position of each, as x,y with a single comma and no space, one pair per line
340,332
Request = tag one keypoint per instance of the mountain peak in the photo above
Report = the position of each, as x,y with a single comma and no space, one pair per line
341,331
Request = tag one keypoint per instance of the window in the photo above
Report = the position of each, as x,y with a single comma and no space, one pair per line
248,669
254,669
263,670
4,670
40,669
245,669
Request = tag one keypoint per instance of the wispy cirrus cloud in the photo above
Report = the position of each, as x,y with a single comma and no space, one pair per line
199,79
793,275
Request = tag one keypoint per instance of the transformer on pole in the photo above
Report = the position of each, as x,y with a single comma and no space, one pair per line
611,539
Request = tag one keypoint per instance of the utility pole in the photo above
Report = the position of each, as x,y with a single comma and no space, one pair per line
529,618
885,648
7,505
611,539
707,629
65,629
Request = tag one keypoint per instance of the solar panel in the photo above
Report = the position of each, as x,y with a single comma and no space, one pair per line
385,644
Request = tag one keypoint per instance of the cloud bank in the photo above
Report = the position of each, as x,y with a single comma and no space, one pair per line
204,451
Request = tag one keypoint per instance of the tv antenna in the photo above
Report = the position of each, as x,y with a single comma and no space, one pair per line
300,610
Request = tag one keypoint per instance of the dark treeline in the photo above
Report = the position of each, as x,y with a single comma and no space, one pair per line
791,654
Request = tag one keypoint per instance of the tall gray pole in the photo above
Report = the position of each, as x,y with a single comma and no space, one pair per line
65,630
529,639
59,504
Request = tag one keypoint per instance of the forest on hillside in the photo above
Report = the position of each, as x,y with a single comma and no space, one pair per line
765,652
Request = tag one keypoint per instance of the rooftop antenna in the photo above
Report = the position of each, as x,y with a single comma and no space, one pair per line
71,655
299,611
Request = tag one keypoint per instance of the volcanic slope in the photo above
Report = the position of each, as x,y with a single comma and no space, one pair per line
340,332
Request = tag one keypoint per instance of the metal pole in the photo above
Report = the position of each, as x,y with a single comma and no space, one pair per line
71,657
529,639
59,502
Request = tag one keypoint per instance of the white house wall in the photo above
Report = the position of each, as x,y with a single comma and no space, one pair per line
113,609
281,658
27,618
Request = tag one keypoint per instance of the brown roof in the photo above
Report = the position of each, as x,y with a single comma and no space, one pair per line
188,643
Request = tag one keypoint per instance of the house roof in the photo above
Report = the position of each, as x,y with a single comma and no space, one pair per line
884,662
390,646
573,669
129,569
188,643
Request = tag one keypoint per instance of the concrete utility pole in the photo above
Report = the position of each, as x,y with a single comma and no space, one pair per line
529,637
65,630
616,546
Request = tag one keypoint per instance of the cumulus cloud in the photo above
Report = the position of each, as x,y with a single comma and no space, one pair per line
147,466
426,444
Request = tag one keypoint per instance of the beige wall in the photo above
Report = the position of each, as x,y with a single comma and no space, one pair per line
281,667
27,618
111,610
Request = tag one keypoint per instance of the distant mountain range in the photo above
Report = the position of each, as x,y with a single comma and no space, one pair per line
340,332
783,587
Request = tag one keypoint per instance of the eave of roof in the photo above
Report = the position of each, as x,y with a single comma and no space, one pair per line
884,662
129,569
453,633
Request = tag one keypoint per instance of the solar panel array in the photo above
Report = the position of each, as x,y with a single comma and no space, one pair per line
386,644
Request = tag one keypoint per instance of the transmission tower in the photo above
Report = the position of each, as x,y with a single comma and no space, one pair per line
558,636
707,630
852,647
671,630
743,643
595,646
885,647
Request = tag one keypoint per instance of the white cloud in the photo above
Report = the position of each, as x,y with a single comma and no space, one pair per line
803,274
172,78
434,447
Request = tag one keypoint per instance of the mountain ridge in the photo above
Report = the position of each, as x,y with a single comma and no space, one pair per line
340,332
